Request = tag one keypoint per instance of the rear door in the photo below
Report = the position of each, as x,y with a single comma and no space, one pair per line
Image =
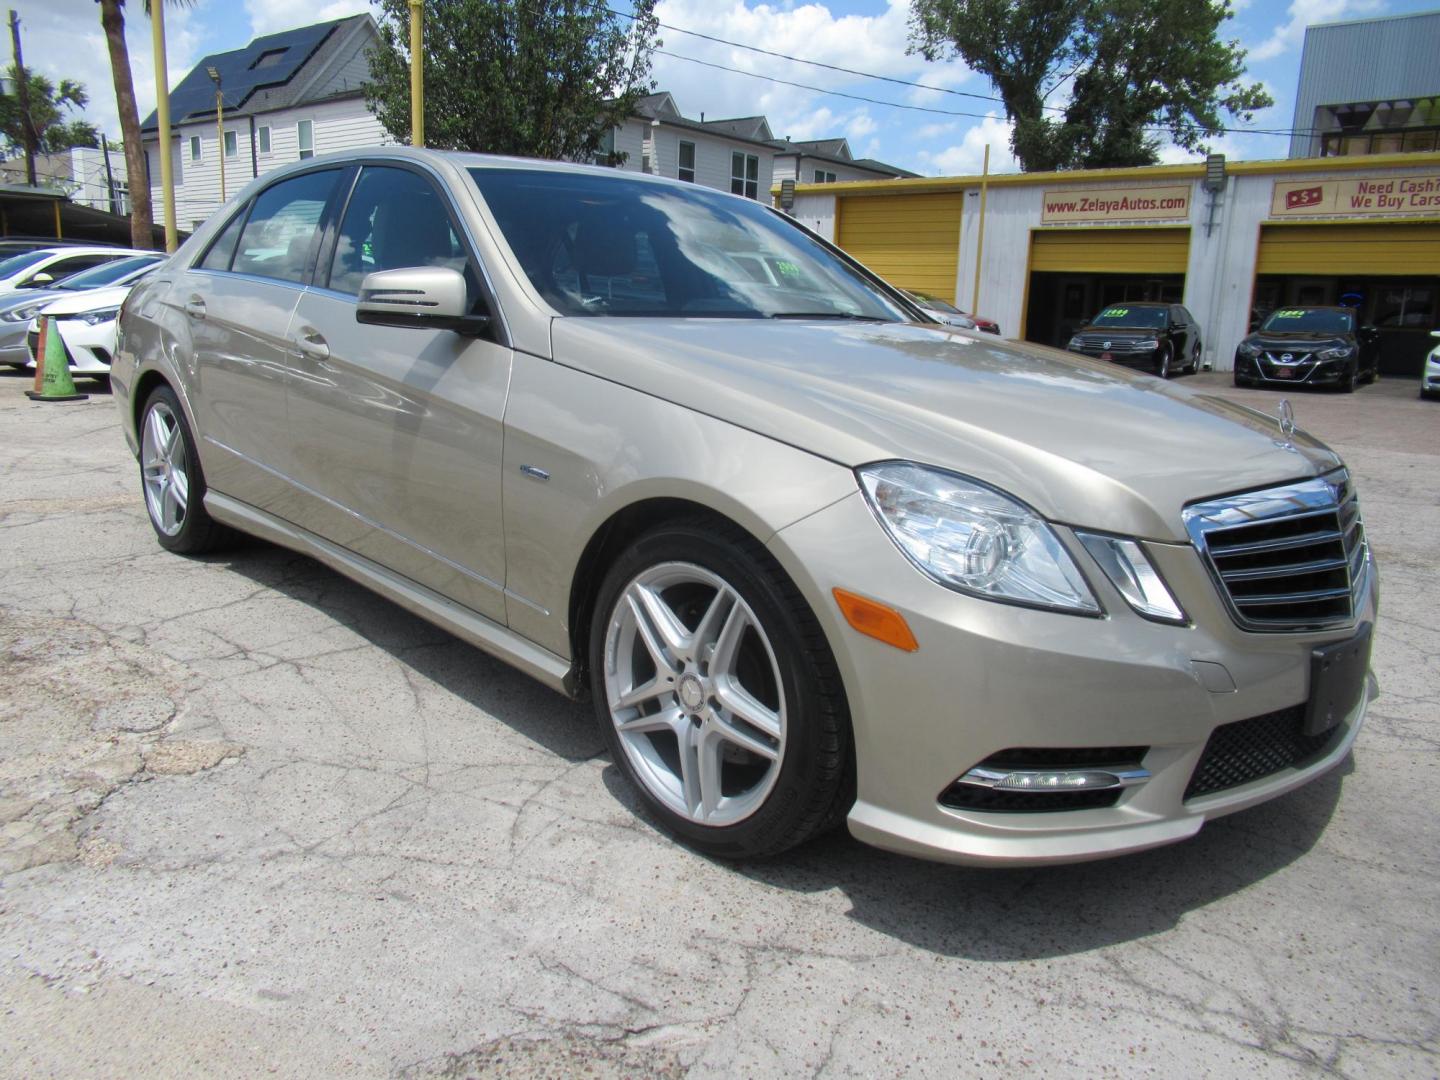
397,430
238,300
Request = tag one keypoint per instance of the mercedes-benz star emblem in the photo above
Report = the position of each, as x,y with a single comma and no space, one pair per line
1286,418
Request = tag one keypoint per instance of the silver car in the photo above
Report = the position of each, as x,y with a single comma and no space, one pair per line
813,561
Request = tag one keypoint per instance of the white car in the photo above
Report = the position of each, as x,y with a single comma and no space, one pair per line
1430,377
19,308
87,327
41,269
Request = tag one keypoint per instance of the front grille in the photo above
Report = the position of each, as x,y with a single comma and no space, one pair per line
1251,749
1287,558
964,796
1099,343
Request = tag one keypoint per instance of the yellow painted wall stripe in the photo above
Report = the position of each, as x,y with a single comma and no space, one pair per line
1110,250
1350,249
912,241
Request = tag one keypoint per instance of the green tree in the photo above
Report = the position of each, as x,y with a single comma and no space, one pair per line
537,78
49,105
1140,68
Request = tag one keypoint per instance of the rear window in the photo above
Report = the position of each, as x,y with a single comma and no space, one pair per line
1310,321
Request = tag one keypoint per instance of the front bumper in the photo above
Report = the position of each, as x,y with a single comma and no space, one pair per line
1306,372
88,348
1144,359
990,677
13,350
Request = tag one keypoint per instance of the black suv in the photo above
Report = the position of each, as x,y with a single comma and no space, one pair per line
1310,346
1162,338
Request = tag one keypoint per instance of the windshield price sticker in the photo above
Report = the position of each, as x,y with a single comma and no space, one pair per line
1290,313
1115,313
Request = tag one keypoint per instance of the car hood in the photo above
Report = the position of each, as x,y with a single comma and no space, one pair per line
1293,340
89,300
1084,442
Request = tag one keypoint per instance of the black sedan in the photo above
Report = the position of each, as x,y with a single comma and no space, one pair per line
1309,346
1162,338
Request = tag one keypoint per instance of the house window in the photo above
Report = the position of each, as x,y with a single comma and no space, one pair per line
231,147
687,162
307,138
194,147
264,136
823,176
745,175
645,162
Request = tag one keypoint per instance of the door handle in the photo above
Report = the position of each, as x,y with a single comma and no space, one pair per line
312,343
195,307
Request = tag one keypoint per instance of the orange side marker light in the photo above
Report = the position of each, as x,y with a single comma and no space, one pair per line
874,619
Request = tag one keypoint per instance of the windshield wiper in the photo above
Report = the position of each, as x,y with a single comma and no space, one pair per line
825,315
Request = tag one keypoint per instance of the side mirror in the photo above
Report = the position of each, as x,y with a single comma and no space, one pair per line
39,281
426,297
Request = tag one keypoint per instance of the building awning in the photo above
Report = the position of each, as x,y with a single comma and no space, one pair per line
32,212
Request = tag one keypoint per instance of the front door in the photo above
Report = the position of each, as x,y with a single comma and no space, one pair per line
396,431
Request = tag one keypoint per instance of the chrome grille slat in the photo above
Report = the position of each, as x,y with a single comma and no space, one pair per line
1287,558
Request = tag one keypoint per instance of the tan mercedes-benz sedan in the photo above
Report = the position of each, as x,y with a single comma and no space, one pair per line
814,556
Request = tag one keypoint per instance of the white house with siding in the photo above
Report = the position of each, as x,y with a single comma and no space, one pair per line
740,155
286,96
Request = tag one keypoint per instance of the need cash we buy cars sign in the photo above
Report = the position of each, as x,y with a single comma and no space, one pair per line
1361,196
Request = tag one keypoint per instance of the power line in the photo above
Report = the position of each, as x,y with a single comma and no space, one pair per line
1287,132
944,112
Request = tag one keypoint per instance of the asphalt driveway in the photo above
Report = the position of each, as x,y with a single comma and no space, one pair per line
255,820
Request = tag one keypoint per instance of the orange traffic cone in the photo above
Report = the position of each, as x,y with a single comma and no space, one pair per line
52,368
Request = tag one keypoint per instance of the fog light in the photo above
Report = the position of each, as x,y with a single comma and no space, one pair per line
1055,780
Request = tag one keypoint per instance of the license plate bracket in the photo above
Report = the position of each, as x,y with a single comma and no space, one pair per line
1284,373
1337,679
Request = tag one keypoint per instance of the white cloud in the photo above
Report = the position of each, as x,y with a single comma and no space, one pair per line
64,39
967,157
268,16
1303,13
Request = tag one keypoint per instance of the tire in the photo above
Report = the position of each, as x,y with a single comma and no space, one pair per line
176,509
703,653
1346,385
1195,359
1372,375
1164,359
1241,382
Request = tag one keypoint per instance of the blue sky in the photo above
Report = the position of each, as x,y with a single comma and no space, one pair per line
63,38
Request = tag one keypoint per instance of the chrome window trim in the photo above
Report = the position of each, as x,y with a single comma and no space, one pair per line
1316,497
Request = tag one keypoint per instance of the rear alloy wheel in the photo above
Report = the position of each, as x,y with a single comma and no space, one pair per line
717,692
1163,360
170,477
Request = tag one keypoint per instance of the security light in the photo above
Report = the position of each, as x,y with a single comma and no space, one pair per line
1215,172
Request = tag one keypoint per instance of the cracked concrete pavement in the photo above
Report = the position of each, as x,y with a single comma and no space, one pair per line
256,820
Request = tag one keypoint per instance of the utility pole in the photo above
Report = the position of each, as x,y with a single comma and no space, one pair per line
162,116
417,73
219,127
22,91
109,176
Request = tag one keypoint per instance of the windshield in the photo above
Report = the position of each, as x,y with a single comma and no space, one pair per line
1150,318
1310,321
607,245
111,273
15,263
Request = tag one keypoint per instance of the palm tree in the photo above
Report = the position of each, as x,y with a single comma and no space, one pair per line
112,18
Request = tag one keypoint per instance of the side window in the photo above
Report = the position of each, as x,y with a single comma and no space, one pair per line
395,219
218,257
278,237
194,147
264,134
305,135
73,265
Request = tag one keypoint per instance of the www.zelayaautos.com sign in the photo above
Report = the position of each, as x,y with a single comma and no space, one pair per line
1117,204
1360,196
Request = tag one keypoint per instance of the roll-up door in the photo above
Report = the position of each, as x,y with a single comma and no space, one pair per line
1110,251
912,241
1391,249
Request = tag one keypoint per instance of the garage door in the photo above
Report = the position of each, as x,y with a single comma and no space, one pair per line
1110,251
909,240
1392,249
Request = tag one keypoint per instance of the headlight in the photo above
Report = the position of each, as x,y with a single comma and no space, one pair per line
1148,343
1134,576
1249,348
974,539
1074,343
95,318
23,314
1334,354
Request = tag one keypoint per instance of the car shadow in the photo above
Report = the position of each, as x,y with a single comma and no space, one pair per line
551,720
978,913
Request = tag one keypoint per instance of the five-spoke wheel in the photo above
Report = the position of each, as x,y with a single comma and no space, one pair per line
171,479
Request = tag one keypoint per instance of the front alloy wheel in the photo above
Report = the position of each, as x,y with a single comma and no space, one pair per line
717,691
1163,359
